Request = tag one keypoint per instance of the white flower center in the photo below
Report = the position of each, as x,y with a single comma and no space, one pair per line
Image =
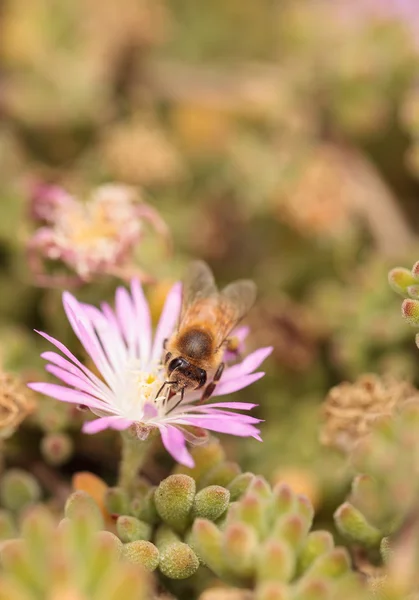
148,385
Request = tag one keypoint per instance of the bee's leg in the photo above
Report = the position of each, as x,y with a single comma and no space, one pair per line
165,343
208,391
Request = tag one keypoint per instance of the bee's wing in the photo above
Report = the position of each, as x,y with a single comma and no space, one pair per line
198,285
234,302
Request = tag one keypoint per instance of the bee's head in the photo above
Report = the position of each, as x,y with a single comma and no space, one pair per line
185,375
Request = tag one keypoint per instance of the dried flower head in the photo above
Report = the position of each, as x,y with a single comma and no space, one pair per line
16,403
91,238
350,409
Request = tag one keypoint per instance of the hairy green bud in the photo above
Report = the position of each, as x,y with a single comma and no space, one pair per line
174,500
221,474
239,485
56,448
353,524
178,561
142,552
116,501
81,504
211,502
316,544
18,489
131,529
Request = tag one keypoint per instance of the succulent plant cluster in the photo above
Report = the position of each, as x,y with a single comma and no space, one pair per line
70,560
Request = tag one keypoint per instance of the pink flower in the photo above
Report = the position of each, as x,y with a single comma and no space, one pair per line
90,238
128,356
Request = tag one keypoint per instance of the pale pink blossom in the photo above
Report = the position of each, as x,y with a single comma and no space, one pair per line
90,238
129,358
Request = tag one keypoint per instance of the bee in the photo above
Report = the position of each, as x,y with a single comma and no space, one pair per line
207,317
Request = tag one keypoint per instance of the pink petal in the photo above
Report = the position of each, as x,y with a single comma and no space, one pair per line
174,442
238,405
241,333
73,380
227,387
109,335
83,329
65,364
126,315
69,355
65,394
248,365
224,426
168,319
105,423
143,319
222,414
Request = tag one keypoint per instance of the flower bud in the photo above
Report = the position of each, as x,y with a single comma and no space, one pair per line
110,539
240,545
141,552
131,529
211,502
273,591
276,562
7,526
56,448
174,499
410,311
18,489
284,498
290,528
144,507
221,474
305,510
400,279
252,510
239,485
116,501
205,457
332,564
260,487
81,504
353,525
207,541
313,589
316,544
178,561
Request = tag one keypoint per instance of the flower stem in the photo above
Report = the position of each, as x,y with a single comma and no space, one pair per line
133,454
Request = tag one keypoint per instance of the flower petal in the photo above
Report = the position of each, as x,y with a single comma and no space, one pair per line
142,321
174,442
168,319
231,426
227,387
84,330
110,422
59,392
63,363
73,380
238,405
69,355
248,365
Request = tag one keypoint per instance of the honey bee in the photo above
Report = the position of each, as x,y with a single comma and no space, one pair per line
207,317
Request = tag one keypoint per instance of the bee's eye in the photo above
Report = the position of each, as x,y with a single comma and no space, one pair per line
176,363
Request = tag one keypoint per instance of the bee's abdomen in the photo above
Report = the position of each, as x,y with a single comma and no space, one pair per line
196,343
